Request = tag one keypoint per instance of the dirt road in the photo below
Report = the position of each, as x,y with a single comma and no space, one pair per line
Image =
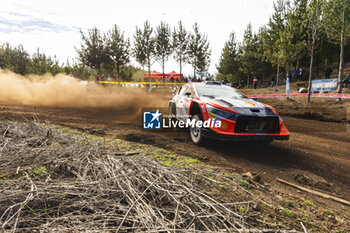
315,147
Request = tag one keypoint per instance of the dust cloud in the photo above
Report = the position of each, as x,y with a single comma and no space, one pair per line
66,91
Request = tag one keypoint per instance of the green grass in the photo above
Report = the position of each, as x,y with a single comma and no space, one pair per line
309,203
288,213
289,203
245,184
40,170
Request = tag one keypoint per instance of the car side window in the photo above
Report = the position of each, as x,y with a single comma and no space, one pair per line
183,90
178,90
191,90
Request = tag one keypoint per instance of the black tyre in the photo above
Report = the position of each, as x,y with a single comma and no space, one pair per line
196,133
172,112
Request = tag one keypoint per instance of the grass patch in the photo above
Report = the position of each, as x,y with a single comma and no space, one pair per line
288,213
289,203
40,170
309,203
245,184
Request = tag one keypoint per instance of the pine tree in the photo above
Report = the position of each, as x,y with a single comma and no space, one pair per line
337,25
198,51
144,46
228,62
163,46
180,44
118,48
93,49
315,13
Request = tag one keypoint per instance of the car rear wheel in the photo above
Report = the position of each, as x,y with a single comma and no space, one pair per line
172,112
196,132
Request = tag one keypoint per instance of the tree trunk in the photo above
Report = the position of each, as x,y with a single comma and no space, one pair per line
278,75
297,66
341,58
118,72
163,65
263,80
180,67
310,71
248,80
149,72
194,72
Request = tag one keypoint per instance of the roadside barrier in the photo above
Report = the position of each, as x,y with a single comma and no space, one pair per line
140,83
328,95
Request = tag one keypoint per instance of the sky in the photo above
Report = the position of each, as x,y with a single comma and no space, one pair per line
54,26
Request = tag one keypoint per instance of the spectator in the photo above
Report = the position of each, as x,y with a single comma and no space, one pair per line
223,81
294,74
272,83
347,80
328,72
300,73
255,82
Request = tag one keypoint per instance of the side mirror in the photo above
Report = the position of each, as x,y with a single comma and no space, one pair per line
188,94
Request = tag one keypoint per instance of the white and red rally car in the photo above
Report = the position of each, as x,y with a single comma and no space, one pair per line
241,118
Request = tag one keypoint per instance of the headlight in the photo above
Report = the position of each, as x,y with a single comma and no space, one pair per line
269,112
220,113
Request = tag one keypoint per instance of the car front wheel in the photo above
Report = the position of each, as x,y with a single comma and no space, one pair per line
196,132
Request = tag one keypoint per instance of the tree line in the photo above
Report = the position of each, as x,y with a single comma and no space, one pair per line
18,60
112,50
312,34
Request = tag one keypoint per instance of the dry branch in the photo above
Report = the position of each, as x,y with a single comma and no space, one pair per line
70,182
317,193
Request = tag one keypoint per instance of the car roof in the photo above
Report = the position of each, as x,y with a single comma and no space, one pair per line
213,84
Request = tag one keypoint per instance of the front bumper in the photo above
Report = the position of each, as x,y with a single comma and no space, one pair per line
237,137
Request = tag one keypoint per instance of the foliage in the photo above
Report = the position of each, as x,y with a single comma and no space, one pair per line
229,64
144,46
198,50
118,48
180,44
93,51
163,46
18,60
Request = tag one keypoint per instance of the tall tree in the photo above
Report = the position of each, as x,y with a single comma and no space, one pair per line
248,53
315,13
337,23
93,49
228,63
298,18
180,44
163,46
118,48
198,51
144,46
271,38
286,50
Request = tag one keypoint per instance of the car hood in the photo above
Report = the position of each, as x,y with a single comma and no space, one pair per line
244,106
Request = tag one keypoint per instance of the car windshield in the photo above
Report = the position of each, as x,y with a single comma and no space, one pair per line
219,92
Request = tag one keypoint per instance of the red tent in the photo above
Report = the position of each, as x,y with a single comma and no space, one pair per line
174,75
154,74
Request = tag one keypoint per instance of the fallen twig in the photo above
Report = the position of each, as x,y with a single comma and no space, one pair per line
317,193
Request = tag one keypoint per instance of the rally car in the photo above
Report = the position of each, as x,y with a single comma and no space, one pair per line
241,118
